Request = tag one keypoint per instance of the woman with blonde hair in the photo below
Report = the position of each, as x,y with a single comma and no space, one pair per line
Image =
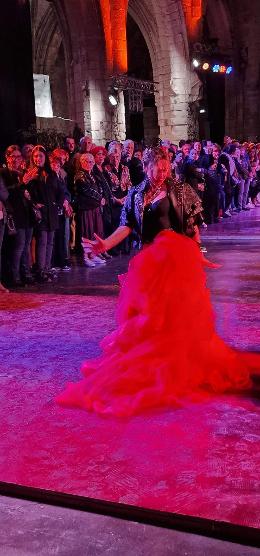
88,203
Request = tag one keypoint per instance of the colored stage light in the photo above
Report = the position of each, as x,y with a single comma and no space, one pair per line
205,66
195,63
222,69
216,68
229,70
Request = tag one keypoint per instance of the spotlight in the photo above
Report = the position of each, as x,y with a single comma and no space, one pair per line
195,63
216,68
202,111
222,69
112,97
205,66
229,70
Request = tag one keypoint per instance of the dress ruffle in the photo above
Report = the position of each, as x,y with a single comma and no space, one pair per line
165,349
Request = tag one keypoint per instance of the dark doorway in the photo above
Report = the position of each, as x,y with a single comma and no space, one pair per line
136,126
215,92
140,125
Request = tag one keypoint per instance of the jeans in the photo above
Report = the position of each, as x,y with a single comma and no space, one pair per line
21,253
67,238
240,197
44,248
222,200
246,191
2,229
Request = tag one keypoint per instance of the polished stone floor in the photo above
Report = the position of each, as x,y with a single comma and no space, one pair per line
205,462
234,243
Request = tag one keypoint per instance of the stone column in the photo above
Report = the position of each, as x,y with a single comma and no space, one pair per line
173,74
113,14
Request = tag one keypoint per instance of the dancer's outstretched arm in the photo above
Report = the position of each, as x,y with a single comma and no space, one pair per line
100,245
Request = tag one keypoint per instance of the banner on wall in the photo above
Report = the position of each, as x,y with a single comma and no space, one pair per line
42,95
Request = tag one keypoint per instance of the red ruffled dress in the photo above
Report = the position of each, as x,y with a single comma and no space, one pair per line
165,349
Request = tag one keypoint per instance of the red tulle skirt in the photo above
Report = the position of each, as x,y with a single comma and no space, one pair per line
165,349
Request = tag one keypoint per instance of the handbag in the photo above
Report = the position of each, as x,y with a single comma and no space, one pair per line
10,225
37,215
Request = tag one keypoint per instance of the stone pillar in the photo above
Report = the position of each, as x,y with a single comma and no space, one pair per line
113,13
173,75
193,13
109,121
106,121
17,109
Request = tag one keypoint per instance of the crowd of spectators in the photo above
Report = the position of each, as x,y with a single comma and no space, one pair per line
50,200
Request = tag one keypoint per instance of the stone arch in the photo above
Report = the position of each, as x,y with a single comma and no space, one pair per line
142,125
88,71
50,58
164,29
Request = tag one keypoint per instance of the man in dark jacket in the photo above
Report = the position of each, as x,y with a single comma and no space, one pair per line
135,165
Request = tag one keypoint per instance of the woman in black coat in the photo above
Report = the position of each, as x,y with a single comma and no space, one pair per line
107,202
194,174
47,195
89,201
119,180
19,206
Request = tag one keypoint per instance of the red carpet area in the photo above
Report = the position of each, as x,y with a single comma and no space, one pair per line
202,459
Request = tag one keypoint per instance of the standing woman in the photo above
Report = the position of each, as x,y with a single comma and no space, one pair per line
107,201
20,207
60,257
120,183
47,194
194,174
89,202
165,350
119,178
100,154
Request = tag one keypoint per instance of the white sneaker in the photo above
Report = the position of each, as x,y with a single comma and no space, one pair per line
250,205
228,213
3,289
98,260
89,262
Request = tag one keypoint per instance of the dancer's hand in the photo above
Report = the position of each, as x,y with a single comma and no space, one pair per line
209,264
30,175
97,246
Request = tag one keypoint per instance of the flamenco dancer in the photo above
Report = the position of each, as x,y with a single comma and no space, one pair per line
165,350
